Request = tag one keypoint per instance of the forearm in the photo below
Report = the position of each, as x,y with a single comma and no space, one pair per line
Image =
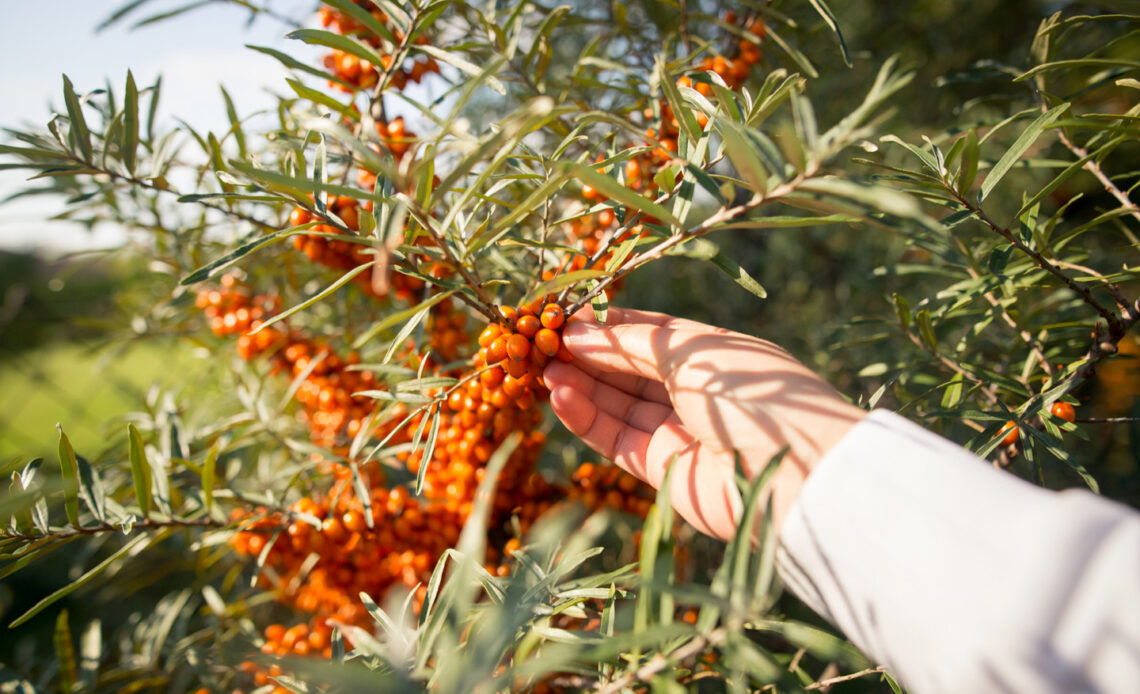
959,577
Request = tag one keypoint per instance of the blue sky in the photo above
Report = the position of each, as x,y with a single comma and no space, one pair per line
195,52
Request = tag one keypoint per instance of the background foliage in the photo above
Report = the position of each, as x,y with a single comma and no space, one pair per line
929,203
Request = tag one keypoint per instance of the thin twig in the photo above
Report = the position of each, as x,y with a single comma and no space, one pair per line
844,678
1042,262
660,661
108,527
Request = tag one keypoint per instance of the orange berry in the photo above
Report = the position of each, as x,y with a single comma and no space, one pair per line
547,342
528,325
1064,410
518,347
491,378
489,334
1012,436
497,351
553,316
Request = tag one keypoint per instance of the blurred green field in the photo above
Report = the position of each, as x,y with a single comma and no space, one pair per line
87,390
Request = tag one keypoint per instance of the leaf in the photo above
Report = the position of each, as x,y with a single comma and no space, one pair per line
91,489
969,168
208,474
566,279
69,469
65,653
429,449
235,122
612,189
90,653
291,62
364,17
452,58
140,469
829,19
926,328
1078,62
398,317
1023,142
80,134
130,124
347,44
82,580
260,241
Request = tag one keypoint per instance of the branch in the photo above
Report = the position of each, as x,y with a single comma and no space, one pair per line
108,527
724,214
1042,262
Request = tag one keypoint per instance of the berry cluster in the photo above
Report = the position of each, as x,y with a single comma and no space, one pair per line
361,74
1011,436
348,254
233,309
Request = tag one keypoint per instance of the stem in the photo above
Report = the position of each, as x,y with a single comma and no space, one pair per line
1042,262
724,214
107,527
424,219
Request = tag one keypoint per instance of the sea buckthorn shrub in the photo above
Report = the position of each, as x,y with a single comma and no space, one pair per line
371,493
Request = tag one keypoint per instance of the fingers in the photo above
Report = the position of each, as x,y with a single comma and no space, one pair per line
618,316
617,425
632,384
640,349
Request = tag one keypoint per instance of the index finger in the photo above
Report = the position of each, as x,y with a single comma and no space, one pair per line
640,349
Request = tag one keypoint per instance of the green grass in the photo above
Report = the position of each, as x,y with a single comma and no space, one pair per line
87,391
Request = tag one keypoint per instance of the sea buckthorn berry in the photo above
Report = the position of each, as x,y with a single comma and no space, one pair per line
1012,435
564,354
528,325
515,368
497,351
1064,410
553,316
547,342
491,378
518,347
489,334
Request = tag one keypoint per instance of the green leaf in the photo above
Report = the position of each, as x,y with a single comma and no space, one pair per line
259,241
969,168
397,318
364,17
83,580
140,469
91,489
926,328
616,191
208,474
429,448
69,468
130,123
235,122
80,134
829,19
1023,142
1078,62
349,45
291,62
952,396
453,58
566,279
65,654
739,275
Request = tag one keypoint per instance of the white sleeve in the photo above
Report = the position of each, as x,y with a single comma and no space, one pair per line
961,578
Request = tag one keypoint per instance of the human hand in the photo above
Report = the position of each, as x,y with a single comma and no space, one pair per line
646,386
